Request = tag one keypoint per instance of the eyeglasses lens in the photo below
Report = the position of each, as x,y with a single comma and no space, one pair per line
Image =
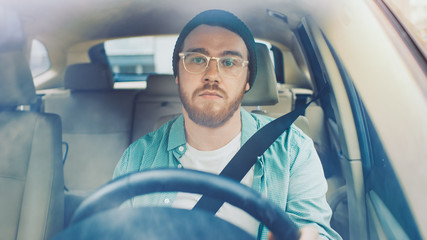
198,63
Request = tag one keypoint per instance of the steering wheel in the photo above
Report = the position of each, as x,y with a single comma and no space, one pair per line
100,217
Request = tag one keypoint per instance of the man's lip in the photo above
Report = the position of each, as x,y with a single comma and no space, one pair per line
209,93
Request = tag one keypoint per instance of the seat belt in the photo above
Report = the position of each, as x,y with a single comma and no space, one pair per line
300,101
248,154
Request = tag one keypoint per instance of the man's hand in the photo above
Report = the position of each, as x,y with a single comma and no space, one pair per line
307,233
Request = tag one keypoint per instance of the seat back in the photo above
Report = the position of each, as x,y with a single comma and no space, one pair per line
31,177
264,89
159,103
97,122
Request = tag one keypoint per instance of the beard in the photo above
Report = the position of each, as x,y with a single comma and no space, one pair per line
208,114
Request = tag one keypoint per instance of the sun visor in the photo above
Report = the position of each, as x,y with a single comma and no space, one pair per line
11,34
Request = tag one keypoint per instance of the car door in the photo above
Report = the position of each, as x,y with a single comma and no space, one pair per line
380,203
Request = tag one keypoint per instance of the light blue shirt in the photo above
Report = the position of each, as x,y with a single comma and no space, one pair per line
289,172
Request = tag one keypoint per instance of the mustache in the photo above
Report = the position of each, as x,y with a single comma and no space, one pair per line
210,87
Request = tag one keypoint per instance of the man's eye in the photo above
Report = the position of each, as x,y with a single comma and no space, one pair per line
229,62
198,60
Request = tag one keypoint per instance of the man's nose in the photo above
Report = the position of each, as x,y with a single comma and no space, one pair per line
212,72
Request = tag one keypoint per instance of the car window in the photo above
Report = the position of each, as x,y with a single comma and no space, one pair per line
385,199
39,58
133,59
412,14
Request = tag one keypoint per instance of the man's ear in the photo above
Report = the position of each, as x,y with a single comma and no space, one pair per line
247,87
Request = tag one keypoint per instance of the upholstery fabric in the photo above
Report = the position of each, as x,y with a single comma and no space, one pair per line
31,176
159,100
161,84
96,127
16,82
12,37
88,76
264,89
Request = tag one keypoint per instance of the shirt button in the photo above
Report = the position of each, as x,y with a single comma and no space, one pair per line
166,201
179,166
181,148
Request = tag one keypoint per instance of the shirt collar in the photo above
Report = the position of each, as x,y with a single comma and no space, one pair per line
249,125
177,130
177,134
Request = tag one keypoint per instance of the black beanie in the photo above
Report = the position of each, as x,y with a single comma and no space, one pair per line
223,19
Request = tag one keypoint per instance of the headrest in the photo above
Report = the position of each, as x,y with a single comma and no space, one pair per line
16,82
161,84
264,90
12,36
88,76
97,54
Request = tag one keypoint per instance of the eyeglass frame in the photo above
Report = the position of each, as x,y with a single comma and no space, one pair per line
183,54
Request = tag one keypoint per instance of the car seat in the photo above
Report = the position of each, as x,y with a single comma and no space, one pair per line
31,176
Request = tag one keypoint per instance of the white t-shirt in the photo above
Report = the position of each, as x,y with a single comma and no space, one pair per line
214,162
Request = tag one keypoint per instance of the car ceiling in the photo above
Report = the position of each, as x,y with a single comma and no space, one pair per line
55,22
65,26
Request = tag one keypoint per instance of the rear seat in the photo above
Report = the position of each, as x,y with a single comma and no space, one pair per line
97,123
156,105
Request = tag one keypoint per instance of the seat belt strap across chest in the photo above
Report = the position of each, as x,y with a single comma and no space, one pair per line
248,154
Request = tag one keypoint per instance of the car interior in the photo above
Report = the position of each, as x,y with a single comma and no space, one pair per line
74,122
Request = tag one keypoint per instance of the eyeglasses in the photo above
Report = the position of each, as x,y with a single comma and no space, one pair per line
229,66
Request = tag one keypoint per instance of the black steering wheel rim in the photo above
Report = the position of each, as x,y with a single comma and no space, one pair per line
114,193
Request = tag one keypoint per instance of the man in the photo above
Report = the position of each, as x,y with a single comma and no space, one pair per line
214,63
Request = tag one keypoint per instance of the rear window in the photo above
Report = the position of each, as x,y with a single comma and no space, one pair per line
133,59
